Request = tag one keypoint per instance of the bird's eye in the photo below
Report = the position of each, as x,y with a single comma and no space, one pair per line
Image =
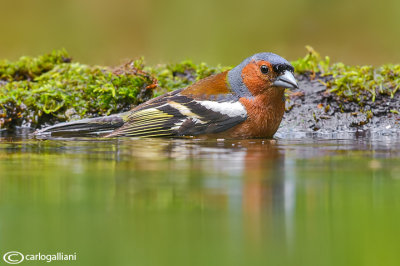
264,69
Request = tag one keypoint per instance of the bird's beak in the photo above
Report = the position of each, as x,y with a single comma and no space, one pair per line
286,80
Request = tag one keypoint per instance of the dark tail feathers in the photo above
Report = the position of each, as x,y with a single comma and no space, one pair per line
91,127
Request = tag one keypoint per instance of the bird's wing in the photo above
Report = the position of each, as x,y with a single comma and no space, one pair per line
176,114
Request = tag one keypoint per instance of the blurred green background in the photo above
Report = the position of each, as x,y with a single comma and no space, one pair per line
108,32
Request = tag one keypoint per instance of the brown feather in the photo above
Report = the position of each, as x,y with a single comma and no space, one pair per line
206,88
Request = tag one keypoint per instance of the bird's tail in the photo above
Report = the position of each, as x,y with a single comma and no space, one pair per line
91,127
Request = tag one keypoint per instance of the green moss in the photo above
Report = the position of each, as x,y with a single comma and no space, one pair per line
312,63
28,68
353,83
49,88
361,83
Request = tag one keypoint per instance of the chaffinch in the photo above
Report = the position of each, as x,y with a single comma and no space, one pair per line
245,102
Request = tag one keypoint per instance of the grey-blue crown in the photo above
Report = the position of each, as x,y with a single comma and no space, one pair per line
274,59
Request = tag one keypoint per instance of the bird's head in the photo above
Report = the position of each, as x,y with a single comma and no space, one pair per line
260,73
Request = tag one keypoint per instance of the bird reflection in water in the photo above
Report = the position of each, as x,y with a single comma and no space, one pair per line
246,178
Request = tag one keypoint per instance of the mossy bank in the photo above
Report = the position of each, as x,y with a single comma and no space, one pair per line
52,88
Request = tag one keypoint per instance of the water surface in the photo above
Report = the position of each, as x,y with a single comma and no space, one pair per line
202,202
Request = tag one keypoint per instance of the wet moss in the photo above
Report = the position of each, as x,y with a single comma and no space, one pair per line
38,91
359,84
311,63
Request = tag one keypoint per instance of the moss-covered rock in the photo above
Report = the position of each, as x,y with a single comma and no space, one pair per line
336,98
353,83
50,89
36,92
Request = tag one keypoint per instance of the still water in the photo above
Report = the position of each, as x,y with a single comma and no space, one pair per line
202,202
